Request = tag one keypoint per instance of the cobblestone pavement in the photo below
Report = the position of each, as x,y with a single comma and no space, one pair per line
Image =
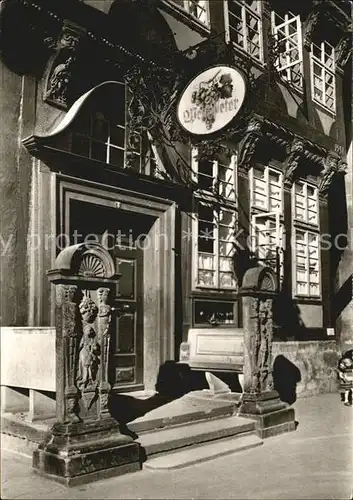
314,462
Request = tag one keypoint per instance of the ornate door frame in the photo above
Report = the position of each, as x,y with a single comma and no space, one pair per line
159,276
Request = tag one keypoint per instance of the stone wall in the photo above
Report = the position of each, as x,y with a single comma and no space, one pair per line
316,361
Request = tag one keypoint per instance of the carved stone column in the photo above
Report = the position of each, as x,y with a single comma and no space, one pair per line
85,442
260,400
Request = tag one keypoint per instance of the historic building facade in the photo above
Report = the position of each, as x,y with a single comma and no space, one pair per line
93,149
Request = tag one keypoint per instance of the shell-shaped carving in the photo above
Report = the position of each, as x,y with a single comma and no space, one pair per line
268,283
91,265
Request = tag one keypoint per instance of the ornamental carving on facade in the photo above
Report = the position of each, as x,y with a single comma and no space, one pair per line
292,161
248,144
310,27
59,72
331,167
344,50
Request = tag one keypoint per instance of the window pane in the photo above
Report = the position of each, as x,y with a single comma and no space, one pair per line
117,136
116,157
80,145
226,264
205,213
226,280
226,249
205,311
206,278
100,128
99,151
206,261
205,245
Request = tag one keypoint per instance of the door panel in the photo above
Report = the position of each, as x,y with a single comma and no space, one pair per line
126,363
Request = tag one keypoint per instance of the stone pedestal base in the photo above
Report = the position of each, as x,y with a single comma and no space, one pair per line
79,453
271,414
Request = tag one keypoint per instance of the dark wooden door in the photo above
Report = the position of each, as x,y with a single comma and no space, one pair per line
126,362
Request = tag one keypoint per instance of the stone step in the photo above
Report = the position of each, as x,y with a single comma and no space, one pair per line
194,433
201,453
20,446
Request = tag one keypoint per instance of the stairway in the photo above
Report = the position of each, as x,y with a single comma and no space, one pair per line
195,428
192,429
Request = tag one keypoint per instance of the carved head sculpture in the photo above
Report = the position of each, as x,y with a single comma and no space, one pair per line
103,294
88,309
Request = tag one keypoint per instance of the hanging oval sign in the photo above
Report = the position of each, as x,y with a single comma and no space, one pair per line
211,100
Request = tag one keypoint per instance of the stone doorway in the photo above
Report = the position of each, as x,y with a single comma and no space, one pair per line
139,234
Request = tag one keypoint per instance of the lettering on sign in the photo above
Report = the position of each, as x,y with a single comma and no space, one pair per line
211,100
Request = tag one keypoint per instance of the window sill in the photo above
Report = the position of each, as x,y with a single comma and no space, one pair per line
182,15
300,224
305,299
213,289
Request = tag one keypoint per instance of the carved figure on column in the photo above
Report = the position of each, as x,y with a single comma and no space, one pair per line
104,322
89,351
67,308
255,344
248,144
266,334
331,167
292,161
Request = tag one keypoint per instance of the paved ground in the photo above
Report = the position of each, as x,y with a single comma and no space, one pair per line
314,462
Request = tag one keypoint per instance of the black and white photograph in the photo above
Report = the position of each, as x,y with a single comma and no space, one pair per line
176,249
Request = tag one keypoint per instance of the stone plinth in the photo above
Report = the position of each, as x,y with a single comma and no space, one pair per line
82,452
85,442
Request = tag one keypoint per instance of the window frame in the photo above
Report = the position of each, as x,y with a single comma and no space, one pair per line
267,170
306,197
184,7
307,295
268,213
286,70
306,227
324,70
218,203
245,9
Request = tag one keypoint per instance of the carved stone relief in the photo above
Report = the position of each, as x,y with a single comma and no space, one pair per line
89,351
292,161
68,311
248,144
59,71
331,166
104,322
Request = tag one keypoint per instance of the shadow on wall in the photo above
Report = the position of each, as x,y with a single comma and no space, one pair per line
286,314
286,376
